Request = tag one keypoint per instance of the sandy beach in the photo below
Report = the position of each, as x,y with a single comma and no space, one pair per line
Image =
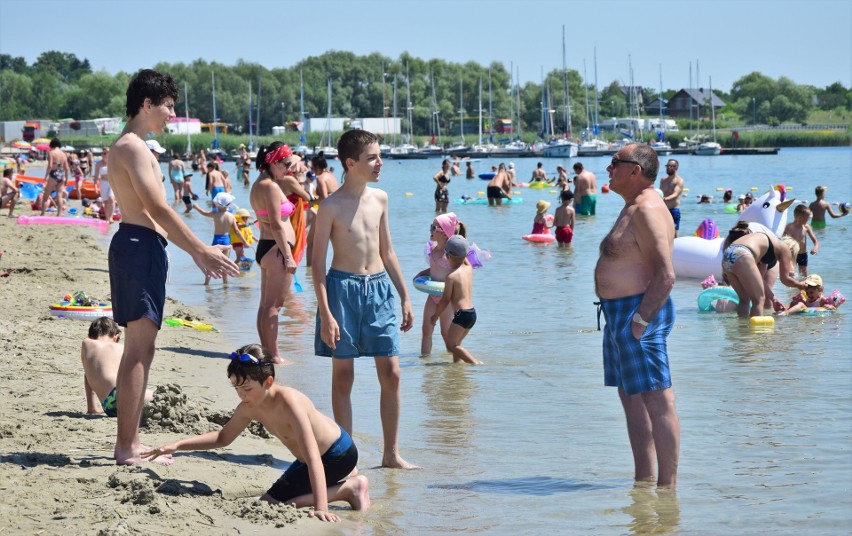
57,474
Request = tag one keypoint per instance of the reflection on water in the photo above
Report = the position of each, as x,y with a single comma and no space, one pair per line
449,392
653,511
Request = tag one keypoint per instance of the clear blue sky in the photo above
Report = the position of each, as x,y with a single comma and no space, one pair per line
809,41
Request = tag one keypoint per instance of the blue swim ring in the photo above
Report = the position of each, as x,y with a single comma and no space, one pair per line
425,284
708,297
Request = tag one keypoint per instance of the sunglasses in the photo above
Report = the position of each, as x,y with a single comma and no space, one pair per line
246,358
615,161
433,228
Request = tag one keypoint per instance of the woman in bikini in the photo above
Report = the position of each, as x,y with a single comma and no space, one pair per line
274,251
750,252
442,194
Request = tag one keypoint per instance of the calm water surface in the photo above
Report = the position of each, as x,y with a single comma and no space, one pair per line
532,442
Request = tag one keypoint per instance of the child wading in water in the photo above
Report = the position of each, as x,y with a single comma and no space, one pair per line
540,225
224,224
799,231
442,228
458,292
564,219
325,453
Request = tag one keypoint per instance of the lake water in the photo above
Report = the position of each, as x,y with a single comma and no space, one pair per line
532,442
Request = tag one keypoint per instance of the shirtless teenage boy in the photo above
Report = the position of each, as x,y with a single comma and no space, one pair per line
356,308
139,289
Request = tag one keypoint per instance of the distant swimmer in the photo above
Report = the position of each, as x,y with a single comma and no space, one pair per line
585,190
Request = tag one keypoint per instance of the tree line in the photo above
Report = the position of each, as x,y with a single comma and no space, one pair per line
59,85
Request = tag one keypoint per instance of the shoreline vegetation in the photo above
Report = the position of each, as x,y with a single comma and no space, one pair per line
57,470
747,138
345,85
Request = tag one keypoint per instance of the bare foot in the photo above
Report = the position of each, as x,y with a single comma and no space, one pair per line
278,360
397,462
136,459
357,492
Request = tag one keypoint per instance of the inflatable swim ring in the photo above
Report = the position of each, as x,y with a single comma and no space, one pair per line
708,298
40,220
425,284
479,201
540,238
487,176
539,185
815,311
65,309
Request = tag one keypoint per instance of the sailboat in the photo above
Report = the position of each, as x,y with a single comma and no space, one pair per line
434,146
710,148
186,111
593,144
460,147
560,147
662,146
405,150
302,148
326,141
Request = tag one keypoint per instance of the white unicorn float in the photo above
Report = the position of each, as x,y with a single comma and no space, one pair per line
699,257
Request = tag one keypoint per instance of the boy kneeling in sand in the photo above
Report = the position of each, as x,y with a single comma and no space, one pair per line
101,356
325,453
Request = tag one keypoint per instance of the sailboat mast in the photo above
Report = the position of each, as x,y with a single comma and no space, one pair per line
259,84
490,111
663,124
394,109
249,110
461,109
597,110
302,138
568,130
518,79
480,110
712,110
409,107
186,110
215,120
586,86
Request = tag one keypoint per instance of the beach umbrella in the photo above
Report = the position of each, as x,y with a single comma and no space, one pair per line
42,147
41,140
20,144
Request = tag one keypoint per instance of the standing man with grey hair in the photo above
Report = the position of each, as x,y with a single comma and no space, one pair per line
633,278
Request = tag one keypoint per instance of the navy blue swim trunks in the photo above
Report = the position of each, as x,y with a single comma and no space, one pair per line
337,462
138,266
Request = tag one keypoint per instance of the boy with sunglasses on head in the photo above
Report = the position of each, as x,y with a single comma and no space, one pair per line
325,454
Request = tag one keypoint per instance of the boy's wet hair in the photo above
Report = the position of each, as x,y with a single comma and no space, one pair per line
8,172
149,84
103,326
251,370
801,210
819,190
352,142
566,195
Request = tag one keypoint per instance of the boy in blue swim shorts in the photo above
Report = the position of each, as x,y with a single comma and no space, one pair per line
325,454
356,309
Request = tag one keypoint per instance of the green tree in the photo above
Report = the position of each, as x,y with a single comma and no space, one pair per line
67,65
15,96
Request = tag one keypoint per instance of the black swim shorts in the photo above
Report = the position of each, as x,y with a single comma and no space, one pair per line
495,192
138,266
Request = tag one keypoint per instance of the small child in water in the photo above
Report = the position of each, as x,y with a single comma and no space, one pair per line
813,297
224,224
563,219
540,224
325,454
458,292
799,230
